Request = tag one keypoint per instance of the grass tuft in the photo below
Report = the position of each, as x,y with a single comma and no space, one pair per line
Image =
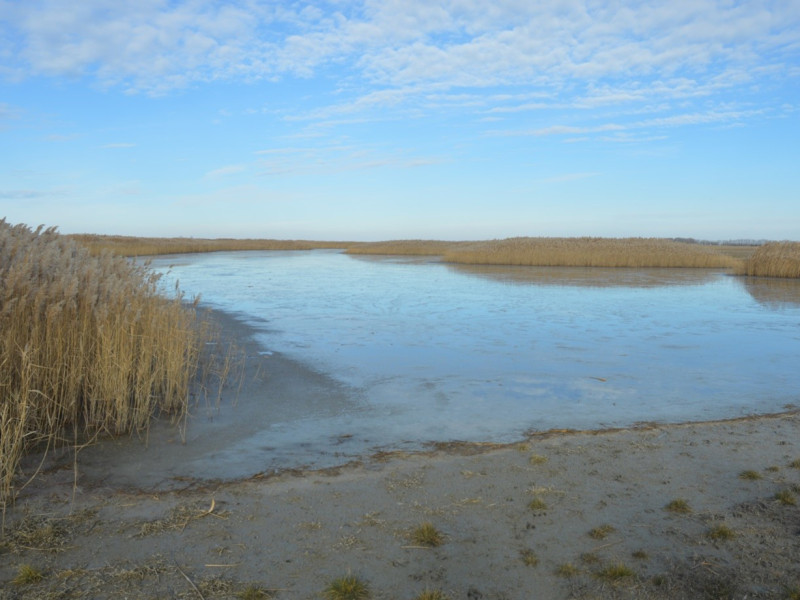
601,532
529,558
537,504
786,497
721,533
615,572
750,475
537,459
27,574
254,592
795,464
679,505
348,587
427,535
567,570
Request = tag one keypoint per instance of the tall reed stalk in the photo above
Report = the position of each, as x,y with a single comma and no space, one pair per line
88,345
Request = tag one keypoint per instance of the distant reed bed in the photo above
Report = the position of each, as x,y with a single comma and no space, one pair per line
590,252
774,259
405,247
150,246
88,345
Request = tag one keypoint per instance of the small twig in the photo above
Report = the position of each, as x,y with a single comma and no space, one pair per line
194,587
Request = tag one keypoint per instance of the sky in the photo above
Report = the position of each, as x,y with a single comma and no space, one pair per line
398,119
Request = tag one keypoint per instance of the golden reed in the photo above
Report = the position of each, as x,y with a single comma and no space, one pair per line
774,259
149,246
88,345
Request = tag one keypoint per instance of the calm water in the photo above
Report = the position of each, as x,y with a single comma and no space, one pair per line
431,351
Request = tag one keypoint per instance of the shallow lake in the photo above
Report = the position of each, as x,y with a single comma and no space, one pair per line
431,351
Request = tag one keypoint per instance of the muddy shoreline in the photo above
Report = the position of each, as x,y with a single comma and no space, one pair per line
695,510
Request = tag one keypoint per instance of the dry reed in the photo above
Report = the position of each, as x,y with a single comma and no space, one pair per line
774,259
88,345
405,247
149,246
591,252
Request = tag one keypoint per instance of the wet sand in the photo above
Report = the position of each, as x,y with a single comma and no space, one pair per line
558,515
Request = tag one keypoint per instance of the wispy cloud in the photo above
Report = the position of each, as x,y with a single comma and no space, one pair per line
153,46
326,159
224,171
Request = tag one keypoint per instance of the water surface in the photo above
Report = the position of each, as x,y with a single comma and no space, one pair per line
428,351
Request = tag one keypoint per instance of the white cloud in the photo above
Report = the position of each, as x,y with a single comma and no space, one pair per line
153,45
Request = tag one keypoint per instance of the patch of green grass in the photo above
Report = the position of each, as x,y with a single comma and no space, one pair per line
750,475
27,574
786,497
529,558
640,555
427,535
432,595
615,572
567,570
601,532
537,459
679,505
795,464
348,587
721,533
537,504
773,469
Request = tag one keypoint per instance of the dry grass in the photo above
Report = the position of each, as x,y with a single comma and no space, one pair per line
591,252
427,535
88,345
775,259
406,247
146,246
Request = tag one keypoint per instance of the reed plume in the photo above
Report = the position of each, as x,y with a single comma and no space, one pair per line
88,345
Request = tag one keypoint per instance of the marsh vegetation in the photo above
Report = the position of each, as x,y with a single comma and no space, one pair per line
88,346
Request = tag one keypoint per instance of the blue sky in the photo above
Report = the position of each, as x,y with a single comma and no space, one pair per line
402,118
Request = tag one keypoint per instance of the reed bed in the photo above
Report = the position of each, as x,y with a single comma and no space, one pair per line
151,246
405,247
775,259
88,345
591,252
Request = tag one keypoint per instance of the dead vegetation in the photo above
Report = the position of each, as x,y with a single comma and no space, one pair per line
591,252
774,259
89,345
150,246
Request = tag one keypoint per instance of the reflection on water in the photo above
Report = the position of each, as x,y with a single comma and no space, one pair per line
773,292
440,352
589,276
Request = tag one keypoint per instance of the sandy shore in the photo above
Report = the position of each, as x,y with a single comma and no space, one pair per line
701,510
